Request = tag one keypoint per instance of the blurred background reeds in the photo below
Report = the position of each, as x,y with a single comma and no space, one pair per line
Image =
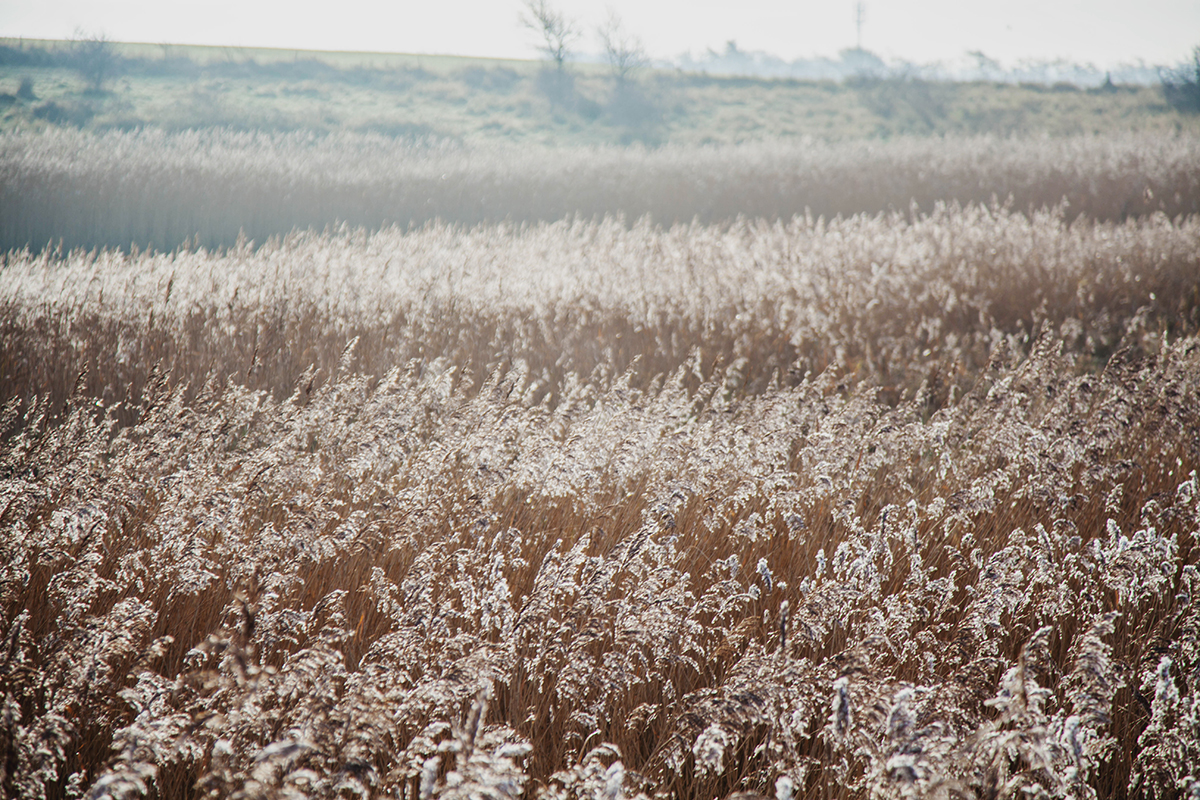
154,189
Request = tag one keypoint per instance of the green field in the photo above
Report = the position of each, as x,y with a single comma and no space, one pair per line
485,100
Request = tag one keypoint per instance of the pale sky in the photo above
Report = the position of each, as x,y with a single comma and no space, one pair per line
1101,32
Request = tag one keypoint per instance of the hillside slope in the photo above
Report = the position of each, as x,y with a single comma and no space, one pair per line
477,100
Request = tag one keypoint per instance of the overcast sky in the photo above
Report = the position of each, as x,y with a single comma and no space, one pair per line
1101,32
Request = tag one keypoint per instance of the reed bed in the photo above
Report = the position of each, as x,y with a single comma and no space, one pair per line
153,189
884,506
888,299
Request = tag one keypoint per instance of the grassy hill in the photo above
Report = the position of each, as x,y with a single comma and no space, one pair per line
476,100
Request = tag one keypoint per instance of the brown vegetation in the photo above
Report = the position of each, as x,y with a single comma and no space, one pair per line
877,507
896,505
154,189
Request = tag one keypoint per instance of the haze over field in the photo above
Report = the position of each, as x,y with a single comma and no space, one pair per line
1103,32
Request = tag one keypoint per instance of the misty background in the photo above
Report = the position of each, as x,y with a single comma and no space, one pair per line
1020,41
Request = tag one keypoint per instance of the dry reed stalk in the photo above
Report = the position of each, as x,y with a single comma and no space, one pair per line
513,560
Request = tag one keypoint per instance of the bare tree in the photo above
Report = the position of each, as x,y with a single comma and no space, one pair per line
556,30
95,58
623,50
1181,86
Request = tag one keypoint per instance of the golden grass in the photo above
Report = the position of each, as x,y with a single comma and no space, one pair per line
886,299
874,507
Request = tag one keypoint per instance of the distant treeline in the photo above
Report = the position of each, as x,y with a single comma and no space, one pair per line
858,63
850,64
157,190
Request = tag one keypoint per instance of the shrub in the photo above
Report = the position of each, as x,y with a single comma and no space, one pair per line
96,60
77,114
1181,86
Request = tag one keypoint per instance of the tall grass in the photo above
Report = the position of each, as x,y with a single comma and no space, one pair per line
888,299
154,189
885,506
